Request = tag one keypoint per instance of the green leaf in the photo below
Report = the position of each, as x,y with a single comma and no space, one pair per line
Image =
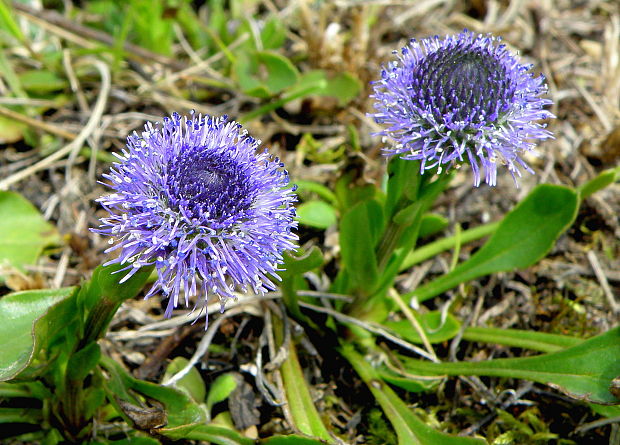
411,384
297,263
317,214
435,329
300,404
105,283
304,186
23,231
281,73
83,361
538,341
7,22
192,382
524,236
208,433
410,429
42,81
20,415
34,389
343,86
431,224
11,131
301,407
221,388
26,326
135,440
273,33
358,232
293,439
601,181
428,251
584,371
181,410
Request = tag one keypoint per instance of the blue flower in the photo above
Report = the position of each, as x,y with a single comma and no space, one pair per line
461,98
196,199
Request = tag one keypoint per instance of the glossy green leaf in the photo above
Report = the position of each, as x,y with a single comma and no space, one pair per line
538,341
410,429
317,214
191,382
221,388
584,371
26,326
436,329
23,231
357,241
105,282
524,236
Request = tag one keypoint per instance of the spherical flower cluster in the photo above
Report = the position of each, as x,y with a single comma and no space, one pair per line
464,97
196,199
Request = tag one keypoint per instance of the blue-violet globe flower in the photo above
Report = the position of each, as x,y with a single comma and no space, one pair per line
197,199
462,98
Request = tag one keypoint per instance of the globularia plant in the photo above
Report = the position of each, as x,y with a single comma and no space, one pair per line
198,203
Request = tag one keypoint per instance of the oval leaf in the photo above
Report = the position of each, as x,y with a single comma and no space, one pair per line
317,214
25,326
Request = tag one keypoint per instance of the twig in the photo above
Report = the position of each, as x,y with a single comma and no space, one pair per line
371,328
600,275
414,322
37,123
202,346
77,143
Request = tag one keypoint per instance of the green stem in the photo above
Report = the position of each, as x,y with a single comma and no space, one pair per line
98,320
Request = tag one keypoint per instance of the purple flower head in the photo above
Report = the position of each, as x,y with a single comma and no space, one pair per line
195,198
464,96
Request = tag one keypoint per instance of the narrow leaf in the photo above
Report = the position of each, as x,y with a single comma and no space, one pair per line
357,239
584,371
301,406
410,429
538,341
524,236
